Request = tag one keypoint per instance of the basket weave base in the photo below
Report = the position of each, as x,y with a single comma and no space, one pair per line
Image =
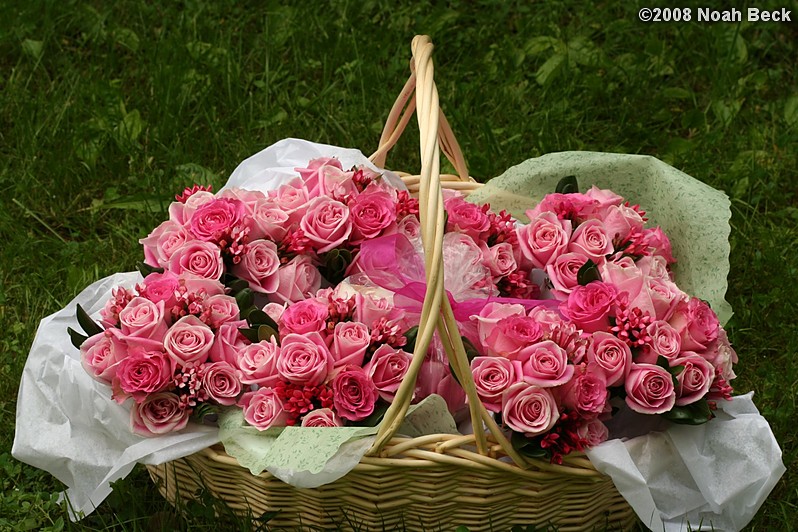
388,496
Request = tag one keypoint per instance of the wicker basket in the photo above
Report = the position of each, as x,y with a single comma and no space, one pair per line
430,482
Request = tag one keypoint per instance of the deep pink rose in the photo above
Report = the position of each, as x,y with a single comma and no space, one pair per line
228,342
220,309
512,334
326,223
162,243
159,413
665,341
297,280
189,341
591,306
322,417
304,317
141,374
304,359
350,340
263,409
660,243
387,368
492,376
200,258
649,389
529,409
590,238
258,363
545,364
465,217
268,221
354,394
373,213
694,380
574,206
563,273
259,266
586,393
544,239
142,318
611,356
594,432
696,323
101,354
160,287
217,217
722,356
221,383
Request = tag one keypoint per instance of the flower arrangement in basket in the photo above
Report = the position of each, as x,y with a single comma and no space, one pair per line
337,299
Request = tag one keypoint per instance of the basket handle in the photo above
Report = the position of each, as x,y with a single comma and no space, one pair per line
436,311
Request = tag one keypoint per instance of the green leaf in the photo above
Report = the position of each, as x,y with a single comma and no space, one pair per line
567,185
76,337
34,49
128,130
588,273
145,269
127,38
336,263
411,335
245,299
258,317
791,111
235,285
88,325
696,413
528,447
471,351
249,334
265,333
550,69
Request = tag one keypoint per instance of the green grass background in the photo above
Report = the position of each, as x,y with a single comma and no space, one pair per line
109,108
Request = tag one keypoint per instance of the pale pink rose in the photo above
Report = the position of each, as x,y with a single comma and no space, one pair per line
200,258
274,310
257,363
590,238
563,273
545,364
664,296
259,266
291,198
195,284
548,319
304,359
544,239
221,383
665,341
322,417
326,223
304,317
337,184
142,373
268,221
101,354
189,341
594,432
463,267
465,217
410,227
354,393
142,318
181,213
263,409
649,389
611,356
620,221
350,340
387,368
228,342
722,356
660,244
490,315
162,243
217,217
157,414
574,206
160,287
372,307
499,259
120,297
586,393
248,197
694,380
313,175
373,214
591,306
696,323
492,376
604,198
511,335
219,309
529,409
654,266
297,280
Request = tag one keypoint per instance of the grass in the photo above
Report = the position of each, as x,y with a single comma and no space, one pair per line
108,109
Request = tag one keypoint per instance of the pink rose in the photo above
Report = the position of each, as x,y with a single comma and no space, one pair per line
354,394
195,284
660,244
228,342
373,213
291,198
722,356
544,239
574,206
274,311
594,432
545,364
268,221
215,218
101,354
350,340
410,227
529,409
182,212
162,243
387,368
611,356
322,417
297,280
220,309
142,318
665,341
590,238
263,409
649,389
372,307
200,258
586,393
620,221
590,306
188,341
512,334
548,319
694,380
248,197
490,315
313,175
563,273
434,377
500,259
258,363
304,359
696,323
159,413
604,199
492,376
304,317
466,217
326,223
220,382
259,266
142,373
654,266
160,287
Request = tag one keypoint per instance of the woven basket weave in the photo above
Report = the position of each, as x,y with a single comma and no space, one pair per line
438,481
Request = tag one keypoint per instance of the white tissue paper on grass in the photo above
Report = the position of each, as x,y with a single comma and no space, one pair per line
67,423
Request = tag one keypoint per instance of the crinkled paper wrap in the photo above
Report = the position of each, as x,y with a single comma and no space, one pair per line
694,215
